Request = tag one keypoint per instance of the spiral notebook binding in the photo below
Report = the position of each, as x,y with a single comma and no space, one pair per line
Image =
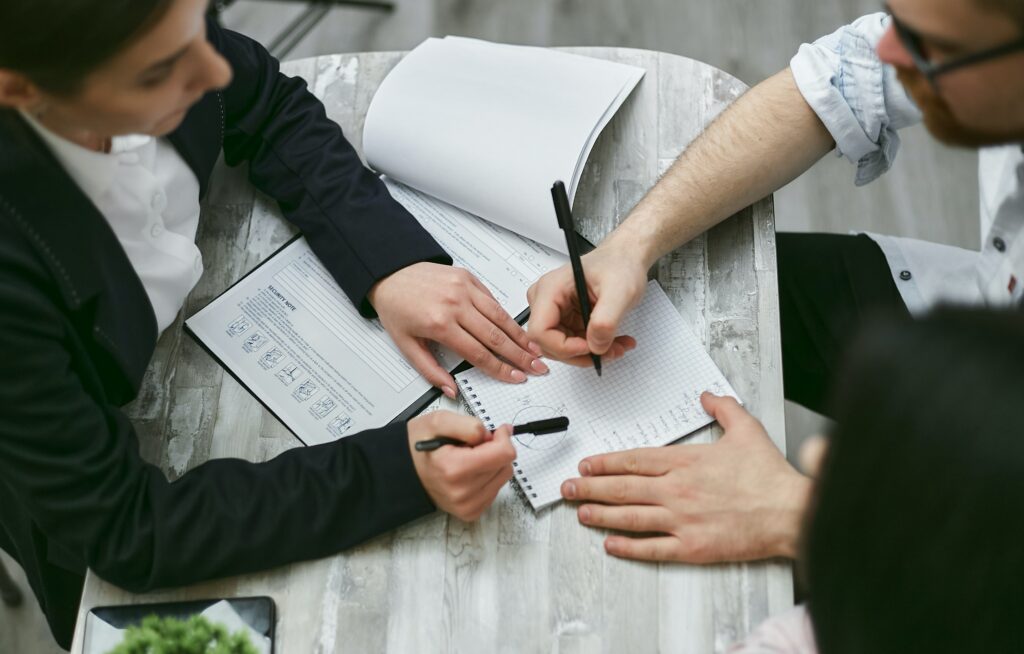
522,485
470,401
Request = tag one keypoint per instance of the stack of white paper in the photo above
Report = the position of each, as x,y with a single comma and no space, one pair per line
489,127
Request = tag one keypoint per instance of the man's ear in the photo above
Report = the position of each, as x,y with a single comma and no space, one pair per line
17,91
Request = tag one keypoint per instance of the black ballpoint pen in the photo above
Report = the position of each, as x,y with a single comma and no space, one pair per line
538,427
564,213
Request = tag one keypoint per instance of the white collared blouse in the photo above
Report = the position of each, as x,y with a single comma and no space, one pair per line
150,198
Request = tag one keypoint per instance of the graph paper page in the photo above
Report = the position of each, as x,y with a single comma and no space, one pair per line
650,397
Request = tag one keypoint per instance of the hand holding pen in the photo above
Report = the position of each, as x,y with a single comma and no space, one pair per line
564,214
467,466
537,428
462,481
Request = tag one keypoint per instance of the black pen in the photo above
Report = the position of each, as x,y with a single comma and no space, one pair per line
564,213
538,427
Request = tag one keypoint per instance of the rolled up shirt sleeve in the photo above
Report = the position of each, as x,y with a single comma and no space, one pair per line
855,95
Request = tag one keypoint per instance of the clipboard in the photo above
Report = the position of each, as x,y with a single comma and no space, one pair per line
411,411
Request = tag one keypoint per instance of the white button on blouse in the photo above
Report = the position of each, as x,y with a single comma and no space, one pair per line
150,198
159,202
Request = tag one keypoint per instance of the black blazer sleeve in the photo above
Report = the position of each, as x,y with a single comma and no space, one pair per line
300,158
72,460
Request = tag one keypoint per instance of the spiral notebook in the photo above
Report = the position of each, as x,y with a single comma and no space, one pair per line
650,397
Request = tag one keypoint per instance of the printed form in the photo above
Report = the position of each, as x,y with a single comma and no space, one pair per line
291,335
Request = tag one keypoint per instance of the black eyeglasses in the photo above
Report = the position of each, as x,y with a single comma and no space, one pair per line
911,40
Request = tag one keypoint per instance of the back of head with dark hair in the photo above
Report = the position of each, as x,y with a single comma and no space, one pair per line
916,537
57,43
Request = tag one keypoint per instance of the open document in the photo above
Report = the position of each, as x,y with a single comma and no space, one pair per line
290,334
471,136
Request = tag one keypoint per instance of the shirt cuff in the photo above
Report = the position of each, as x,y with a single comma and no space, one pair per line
815,79
855,95
394,489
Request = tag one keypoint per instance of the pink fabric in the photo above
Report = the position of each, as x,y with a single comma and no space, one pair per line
787,633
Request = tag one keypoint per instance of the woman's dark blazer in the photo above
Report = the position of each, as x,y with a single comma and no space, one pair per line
77,332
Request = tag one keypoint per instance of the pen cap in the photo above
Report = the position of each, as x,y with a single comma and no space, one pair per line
541,427
562,209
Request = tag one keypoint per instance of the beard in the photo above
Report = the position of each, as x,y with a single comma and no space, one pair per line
941,122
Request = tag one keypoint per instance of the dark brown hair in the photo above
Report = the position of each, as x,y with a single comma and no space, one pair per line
57,43
916,537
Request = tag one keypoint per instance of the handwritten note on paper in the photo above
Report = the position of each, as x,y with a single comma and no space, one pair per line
651,397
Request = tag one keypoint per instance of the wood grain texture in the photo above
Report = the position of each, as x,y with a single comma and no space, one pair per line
514,581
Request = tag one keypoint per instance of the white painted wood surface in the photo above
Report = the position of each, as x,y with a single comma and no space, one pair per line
514,581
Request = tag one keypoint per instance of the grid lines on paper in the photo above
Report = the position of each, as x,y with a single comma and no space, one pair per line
650,397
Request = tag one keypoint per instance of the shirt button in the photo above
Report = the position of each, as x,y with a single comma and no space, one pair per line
156,230
906,276
999,244
159,202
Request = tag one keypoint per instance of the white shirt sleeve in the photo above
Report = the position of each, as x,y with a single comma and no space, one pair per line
855,95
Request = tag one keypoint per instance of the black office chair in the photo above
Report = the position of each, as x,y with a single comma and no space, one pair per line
295,31
10,594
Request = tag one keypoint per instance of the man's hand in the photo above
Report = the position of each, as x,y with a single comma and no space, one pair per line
733,500
462,481
430,302
719,173
616,280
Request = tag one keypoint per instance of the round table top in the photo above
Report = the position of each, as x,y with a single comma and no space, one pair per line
514,581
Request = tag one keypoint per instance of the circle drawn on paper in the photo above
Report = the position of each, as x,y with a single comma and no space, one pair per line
534,441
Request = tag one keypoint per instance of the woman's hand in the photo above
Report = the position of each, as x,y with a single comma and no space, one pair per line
430,302
462,481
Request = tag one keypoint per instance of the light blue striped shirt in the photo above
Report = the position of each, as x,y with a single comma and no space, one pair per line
863,106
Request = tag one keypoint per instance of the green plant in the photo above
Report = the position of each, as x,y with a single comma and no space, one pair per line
197,635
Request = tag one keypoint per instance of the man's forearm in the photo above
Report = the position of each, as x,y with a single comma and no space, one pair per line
763,141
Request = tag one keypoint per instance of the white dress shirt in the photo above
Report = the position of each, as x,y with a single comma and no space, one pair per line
150,198
863,105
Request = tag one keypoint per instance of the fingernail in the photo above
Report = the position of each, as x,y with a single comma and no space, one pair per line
539,367
518,376
585,514
449,392
568,490
535,349
585,468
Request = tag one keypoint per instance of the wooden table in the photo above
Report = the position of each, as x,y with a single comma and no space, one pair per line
512,582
